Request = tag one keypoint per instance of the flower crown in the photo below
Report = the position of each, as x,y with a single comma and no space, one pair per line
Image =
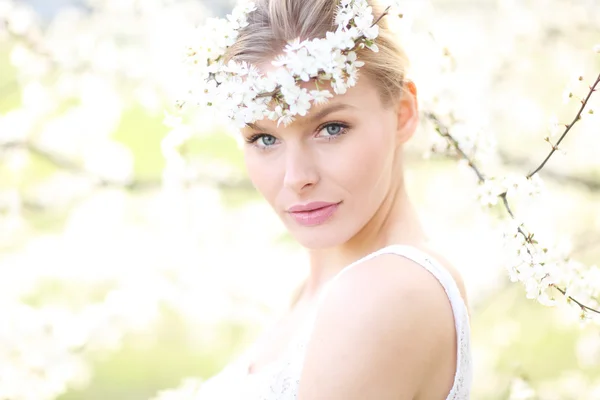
245,95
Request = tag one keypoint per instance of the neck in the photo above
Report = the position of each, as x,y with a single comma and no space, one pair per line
395,222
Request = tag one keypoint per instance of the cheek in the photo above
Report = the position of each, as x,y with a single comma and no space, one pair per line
367,163
263,174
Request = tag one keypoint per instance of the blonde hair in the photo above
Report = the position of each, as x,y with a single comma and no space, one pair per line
275,22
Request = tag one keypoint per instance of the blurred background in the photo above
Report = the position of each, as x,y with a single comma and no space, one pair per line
135,253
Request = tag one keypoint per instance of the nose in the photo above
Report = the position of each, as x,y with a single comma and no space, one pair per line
301,172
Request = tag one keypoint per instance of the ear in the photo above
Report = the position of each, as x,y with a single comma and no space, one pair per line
407,111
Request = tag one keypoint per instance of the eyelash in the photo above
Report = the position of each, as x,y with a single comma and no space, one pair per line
344,129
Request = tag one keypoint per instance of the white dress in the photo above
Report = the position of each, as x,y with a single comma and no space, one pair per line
280,380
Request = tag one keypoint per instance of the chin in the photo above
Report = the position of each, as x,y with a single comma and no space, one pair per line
319,237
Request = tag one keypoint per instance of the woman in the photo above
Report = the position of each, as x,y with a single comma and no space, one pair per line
381,314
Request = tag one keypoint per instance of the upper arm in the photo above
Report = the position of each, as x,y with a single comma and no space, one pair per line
377,333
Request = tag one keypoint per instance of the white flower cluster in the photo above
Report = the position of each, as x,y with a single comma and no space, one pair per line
246,95
538,269
541,269
521,390
39,356
517,185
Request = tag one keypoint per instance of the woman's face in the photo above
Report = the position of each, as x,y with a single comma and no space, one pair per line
327,173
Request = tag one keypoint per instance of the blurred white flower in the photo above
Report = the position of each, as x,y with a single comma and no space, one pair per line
20,19
188,390
588,350
120,167
489,191
523,187
38,99
574,86
6,6
39,357
28,63
521,390
554,127
16,126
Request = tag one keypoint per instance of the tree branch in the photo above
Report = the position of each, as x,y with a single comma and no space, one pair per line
589,183
67,164
582,306
568,127
445,133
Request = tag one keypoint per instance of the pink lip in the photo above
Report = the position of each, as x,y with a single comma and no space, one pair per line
313,213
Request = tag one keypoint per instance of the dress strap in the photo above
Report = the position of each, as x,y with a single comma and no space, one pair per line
426,261
416,255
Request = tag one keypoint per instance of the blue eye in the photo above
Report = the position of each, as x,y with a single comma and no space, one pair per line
267,140
262,140
333,130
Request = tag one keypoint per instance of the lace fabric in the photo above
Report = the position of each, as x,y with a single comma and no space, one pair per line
280,380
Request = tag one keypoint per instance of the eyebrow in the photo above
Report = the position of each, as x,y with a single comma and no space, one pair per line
330,109
314,118
256,127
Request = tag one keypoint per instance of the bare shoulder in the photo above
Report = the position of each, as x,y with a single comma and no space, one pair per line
382,331
447,264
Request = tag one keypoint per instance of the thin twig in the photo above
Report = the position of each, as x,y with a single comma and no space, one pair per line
270,94
445,133
583,306
507,207
590,183
568,127
385,12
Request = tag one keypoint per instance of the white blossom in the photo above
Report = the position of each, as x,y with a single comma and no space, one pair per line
343,17
340,39
286,119
489,192
519,185
320,96
521,390
574,85
241,93
364,24
554,127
